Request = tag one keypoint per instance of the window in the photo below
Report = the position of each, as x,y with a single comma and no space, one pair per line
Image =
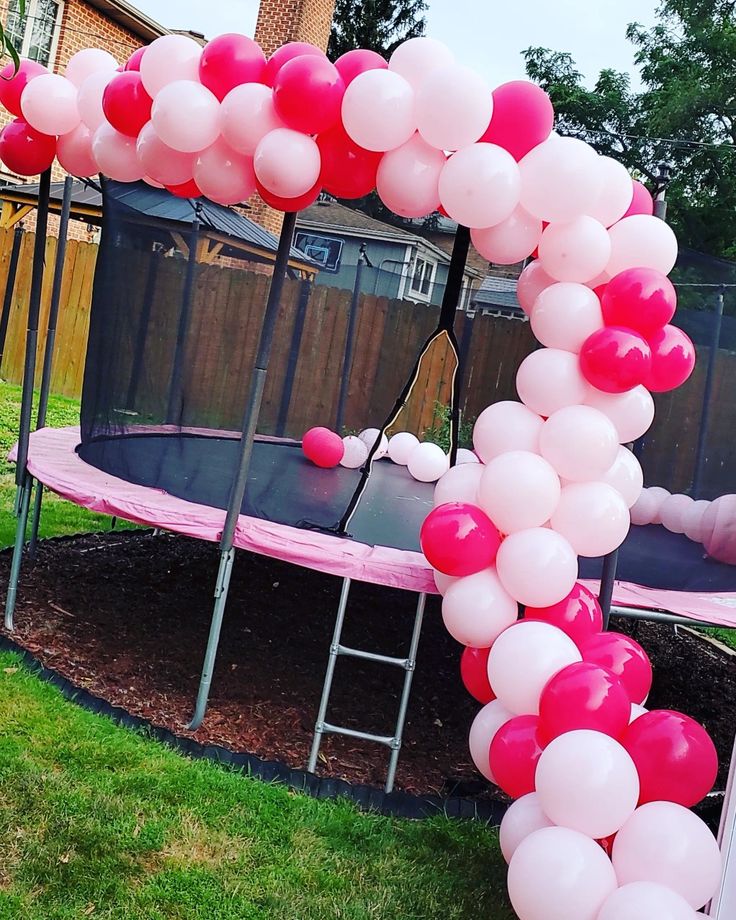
321,249
423,278
35,34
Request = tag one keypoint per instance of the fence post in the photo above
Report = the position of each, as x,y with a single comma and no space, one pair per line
10,287
710,373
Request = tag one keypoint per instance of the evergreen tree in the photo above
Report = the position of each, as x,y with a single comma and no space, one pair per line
379,25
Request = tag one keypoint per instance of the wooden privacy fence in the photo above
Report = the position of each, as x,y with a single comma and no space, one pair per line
307,366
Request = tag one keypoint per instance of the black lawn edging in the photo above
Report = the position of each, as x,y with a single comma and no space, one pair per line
367,798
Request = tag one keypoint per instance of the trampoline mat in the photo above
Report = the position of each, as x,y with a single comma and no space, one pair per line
285,488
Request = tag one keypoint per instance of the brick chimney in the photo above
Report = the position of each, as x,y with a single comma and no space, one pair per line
279,22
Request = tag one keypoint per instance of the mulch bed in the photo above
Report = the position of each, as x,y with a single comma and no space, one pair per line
126,616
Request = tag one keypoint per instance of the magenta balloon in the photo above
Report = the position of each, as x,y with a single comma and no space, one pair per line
286,53
13,82
615,360
25,151
307,94
353,63
641,299
642,202
229,61
673,359
522,117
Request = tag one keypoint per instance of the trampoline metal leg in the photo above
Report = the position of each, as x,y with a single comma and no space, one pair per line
20,536
410,667
35,521
330,673
221,591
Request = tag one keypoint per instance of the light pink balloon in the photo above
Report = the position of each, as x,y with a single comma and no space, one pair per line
719,529
408,178
692,520
532,281
559,874
560,179
642,241
564,315
89,61
576,250
443,581
645,508
476,609
459,484
168,59
518,490
580,442
369,436
646,901
401,446
588,782
454,105
378,110
673,510
485,725
74,153
49,104
524,658
479,186
356,453
632,412
287,163
511,241
636,711
223,175
247,115
416,58
659,495
522,818
160,162
616,193
592,517
465,456
185,115
505,426
428,462
115,154
550,379
626,476
89,98
668,844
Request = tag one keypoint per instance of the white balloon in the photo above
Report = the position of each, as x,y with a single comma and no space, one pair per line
378,110
479,185
485,725
550,379
580,442
672,512
660,495
644,509
416,58
428,462
575,250
565,314
401,445
247,115
560,179
538,567
87,62
632,412
592,517
518,490
454,105
505,426
356,453
465,456
642,241
511,241
476,609
89,98
646,901
369,436
167,59
459,484
522,818
692,520
616,194
626,476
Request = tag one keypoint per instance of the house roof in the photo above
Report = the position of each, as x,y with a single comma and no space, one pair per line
332,216
131,18
497,292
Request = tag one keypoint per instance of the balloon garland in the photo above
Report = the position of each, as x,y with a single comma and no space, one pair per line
600,829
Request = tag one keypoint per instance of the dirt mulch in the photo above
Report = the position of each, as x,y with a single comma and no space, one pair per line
126,616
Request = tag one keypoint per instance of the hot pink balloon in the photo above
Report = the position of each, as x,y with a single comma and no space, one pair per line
641,202
584,695
615,359
532,281
229,61
24,150
186,116
323,447
286,53
673,359
160,162
459,539
74,152
348,171
625,658
353,63
522,117
474,673
126,104
116,155
13,82
223,175
134,61
514,754
408,178
289,205
308,93
578,615
287,163
641,299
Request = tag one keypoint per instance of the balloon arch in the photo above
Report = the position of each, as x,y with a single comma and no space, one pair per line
601,827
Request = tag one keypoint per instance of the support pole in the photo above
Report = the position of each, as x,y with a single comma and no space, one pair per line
237,493
347,363
142,334
710,373
10,287
305,291
608,579
22,477
48,357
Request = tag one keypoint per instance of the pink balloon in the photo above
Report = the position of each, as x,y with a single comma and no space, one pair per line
353,63
378,110
74,152
523,659
115,154
476,609
522,818
615,359
89,99
718,529
564,315
286,53
170,59
532,281
307,93
559,874
660,495
645,508
186,116
287,163
13,82
134,61
644,901
323,447
626,476
348,171
641,202
577,250
247,115
453,107
229,61
289,205
642,242
673,359
483,730
506,426
480,186
549,380
459,484
632,412
49,104
223,175
592,517
616,194
416,58
559,179
672,512
88,61
408,178
443,582
523,117
669,845
511,241
160,162
518,490
692,521
578,615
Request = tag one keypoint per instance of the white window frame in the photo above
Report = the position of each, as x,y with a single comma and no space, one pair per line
31,15
412,292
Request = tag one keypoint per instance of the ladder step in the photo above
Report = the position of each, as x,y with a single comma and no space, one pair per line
327,728
372,656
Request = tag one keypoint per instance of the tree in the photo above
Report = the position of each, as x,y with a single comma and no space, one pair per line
379,25
685,114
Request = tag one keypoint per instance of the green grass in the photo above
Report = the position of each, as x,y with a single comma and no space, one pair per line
97,821
726,636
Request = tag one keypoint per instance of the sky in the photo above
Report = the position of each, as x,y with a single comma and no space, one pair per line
487,35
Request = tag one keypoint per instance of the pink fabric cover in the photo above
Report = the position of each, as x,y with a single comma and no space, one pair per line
54,461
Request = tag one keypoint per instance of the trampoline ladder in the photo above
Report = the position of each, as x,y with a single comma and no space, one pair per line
337,649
